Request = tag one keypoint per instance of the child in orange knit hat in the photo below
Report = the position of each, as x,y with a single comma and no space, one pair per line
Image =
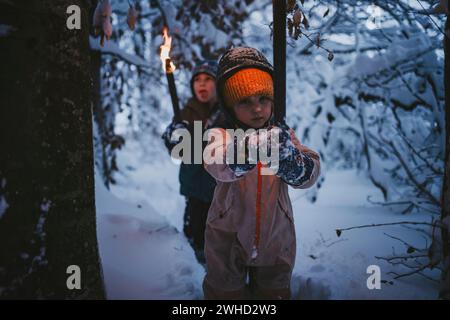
250,242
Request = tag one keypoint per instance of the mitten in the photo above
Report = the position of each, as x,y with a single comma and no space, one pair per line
240,151
295,167
170,136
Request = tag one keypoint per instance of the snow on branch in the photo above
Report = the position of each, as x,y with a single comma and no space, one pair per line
114,49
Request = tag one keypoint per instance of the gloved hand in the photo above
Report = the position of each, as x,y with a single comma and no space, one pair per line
295,164
249,149
296,161
171,139
281,137
241,154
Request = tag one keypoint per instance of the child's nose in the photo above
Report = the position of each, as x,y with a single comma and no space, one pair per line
257,107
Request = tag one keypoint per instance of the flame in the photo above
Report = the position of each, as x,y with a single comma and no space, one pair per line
165,49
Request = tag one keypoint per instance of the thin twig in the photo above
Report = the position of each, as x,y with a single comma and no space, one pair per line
415,203
397,275
404,242
405,257
339,231
434,22
411,176
403,136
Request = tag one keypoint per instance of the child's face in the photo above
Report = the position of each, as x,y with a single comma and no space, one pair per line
205,88
254,111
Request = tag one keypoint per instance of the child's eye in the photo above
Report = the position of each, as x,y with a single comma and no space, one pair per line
244,102
264,99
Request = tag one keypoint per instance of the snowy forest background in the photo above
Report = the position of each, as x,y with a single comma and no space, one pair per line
365,88
375,114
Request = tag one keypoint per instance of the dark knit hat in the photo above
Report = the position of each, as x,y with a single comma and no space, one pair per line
238,58
206,66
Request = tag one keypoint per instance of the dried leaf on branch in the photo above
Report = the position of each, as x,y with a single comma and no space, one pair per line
132,17
290,5
102,21
297,18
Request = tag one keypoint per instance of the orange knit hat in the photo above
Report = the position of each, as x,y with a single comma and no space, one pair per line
246,83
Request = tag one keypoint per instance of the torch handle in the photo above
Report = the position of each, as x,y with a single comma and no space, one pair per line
173,92
174,97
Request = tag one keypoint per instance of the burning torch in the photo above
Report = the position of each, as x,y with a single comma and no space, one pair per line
168,68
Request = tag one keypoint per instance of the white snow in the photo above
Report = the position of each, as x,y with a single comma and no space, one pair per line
339,265
146,256
113,48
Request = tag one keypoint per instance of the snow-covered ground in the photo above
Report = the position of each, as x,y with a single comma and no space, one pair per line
145,256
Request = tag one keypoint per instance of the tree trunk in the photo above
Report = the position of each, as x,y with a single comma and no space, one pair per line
445,216
46,161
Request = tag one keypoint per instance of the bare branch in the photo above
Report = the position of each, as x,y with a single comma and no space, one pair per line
439,9
404,257
418,270
323,29
339,231
408,245
411,176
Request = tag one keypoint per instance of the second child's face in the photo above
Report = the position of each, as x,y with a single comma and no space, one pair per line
254,111
205,88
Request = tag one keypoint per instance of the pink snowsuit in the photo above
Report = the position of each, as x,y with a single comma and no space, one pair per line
250,227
